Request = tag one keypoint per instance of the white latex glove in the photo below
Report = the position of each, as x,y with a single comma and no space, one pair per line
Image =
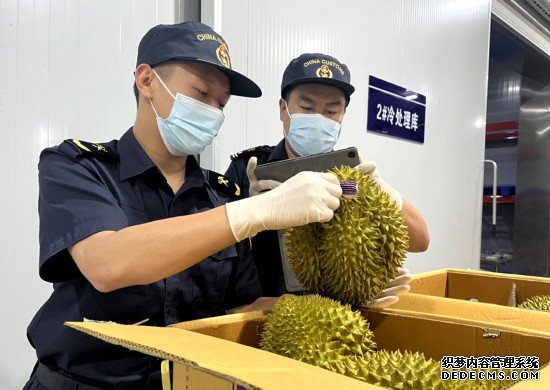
390,295
304,198
369,168
258,186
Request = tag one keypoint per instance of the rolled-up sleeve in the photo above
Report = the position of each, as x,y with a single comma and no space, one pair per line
74,203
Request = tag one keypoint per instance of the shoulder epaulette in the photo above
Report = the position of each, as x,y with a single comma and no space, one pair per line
77,148
223,184
256,151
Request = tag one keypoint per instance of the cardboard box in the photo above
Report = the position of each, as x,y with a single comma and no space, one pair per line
203,362
486,287
221,353
453,309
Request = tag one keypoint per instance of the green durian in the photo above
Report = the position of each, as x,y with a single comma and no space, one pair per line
302,245
400,370
537,302
355,255
328,334
316,330
413,371
391,369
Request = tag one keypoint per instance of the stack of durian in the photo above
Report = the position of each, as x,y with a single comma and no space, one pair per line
328,334
349,260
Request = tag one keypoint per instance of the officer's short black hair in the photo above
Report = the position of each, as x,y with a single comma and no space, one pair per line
136,94
287,93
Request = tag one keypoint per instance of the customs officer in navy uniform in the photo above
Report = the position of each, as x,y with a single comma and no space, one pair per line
135,231
315,92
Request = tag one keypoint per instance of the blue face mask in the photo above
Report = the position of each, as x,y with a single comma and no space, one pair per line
312,133
191,126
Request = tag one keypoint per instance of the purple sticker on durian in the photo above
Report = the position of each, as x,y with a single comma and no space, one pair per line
349,189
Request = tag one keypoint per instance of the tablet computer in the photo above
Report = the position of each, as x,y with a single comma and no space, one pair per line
283,170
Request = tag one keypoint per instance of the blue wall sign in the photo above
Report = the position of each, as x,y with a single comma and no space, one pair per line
395,111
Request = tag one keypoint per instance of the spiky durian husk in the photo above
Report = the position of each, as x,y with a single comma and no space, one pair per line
537,302
400,370
413,371
325,333
305,242
316,330
355,255
391,369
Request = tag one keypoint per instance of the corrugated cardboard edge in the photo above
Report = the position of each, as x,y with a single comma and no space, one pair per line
464,321
488,313
487,326
291,371
484,286
207,324
499,275
90,329
492,274
434,281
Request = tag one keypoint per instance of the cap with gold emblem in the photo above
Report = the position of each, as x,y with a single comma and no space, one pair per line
193,41
317,68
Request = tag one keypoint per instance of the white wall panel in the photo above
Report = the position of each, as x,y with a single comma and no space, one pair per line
438,48
8,177
68,72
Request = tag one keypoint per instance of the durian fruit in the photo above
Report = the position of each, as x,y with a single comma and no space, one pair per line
316,330
414,371
405,371
355,255
325,333
537,302
393,369
305,242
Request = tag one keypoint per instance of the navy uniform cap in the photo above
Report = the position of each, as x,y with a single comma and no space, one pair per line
317,68
197,42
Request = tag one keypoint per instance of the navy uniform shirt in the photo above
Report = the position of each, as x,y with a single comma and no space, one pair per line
88,188
265,245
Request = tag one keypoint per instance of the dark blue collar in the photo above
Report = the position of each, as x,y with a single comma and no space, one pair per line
135,161
279,153
194,176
